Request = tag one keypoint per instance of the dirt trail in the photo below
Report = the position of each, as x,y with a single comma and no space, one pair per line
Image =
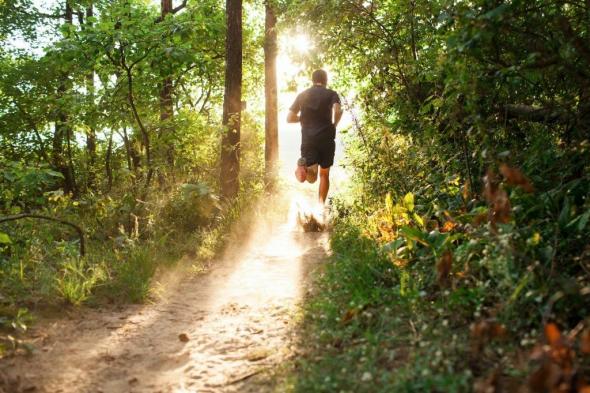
237,319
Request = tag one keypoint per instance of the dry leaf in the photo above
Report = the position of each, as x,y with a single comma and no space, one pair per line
348,315
483,332
448,226
553,335
515,177
466,191
497,198
489,384
585,341
443,267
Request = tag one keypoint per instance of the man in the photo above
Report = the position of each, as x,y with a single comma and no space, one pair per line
318,110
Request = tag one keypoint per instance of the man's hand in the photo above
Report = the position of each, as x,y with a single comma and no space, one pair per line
337,113
292,117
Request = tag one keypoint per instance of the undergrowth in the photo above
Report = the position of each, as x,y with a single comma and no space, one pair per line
446,289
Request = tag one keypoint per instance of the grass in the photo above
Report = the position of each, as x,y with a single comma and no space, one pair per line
372,325
366,337
119,267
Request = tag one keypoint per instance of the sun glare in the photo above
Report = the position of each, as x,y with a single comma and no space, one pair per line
301,43
292,47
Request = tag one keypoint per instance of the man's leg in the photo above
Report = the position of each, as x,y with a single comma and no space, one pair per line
301,171
312,173
324,184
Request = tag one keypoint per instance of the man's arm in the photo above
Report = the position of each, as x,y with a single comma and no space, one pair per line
337,113
292,117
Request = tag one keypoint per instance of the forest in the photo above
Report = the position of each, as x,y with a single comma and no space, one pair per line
134,134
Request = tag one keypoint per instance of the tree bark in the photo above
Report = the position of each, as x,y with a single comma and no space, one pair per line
413,29
271,123
232,101
166,104
91,135
62,131
107,163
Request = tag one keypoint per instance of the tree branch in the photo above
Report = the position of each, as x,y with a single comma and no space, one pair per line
179,7
41,217
575,39
173,11
535,114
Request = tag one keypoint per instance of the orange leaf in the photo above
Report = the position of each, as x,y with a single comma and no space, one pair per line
443,267
553,335
515,177
466,191
349,315
448,226
585,342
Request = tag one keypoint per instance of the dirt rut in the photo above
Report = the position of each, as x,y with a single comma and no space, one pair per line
217,332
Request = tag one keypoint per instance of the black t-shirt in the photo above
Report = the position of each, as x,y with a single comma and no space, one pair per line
315,105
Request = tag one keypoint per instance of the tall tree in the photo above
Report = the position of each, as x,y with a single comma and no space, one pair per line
232,101
271,123
91,133
63,130
166,102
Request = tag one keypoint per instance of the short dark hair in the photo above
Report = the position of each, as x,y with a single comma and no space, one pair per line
319,76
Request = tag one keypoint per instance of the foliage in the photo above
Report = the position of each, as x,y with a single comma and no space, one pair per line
469,155
88,135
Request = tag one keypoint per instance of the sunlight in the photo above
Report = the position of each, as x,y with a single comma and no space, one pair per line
301,43
290,46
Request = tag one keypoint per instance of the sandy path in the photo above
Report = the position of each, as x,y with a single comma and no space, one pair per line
237,318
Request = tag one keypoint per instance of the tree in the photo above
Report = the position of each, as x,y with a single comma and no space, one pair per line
271,123
166,102
63,129
91,133
232,101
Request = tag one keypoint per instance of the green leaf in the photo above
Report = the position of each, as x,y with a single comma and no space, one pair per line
583,221
388,202
4,238
415,234
394,245
496,13
565,213
409,201
418,220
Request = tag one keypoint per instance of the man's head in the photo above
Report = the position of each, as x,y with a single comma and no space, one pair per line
319,77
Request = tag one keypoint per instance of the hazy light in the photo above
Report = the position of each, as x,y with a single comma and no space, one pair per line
301,43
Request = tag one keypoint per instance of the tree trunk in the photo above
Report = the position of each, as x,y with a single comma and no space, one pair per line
91,135
166,105
232,101
63,132
413,28
107,163
271,123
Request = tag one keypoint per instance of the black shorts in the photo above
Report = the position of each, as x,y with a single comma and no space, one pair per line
319,149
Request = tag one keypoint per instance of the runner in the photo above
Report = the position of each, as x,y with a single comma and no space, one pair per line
318,110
